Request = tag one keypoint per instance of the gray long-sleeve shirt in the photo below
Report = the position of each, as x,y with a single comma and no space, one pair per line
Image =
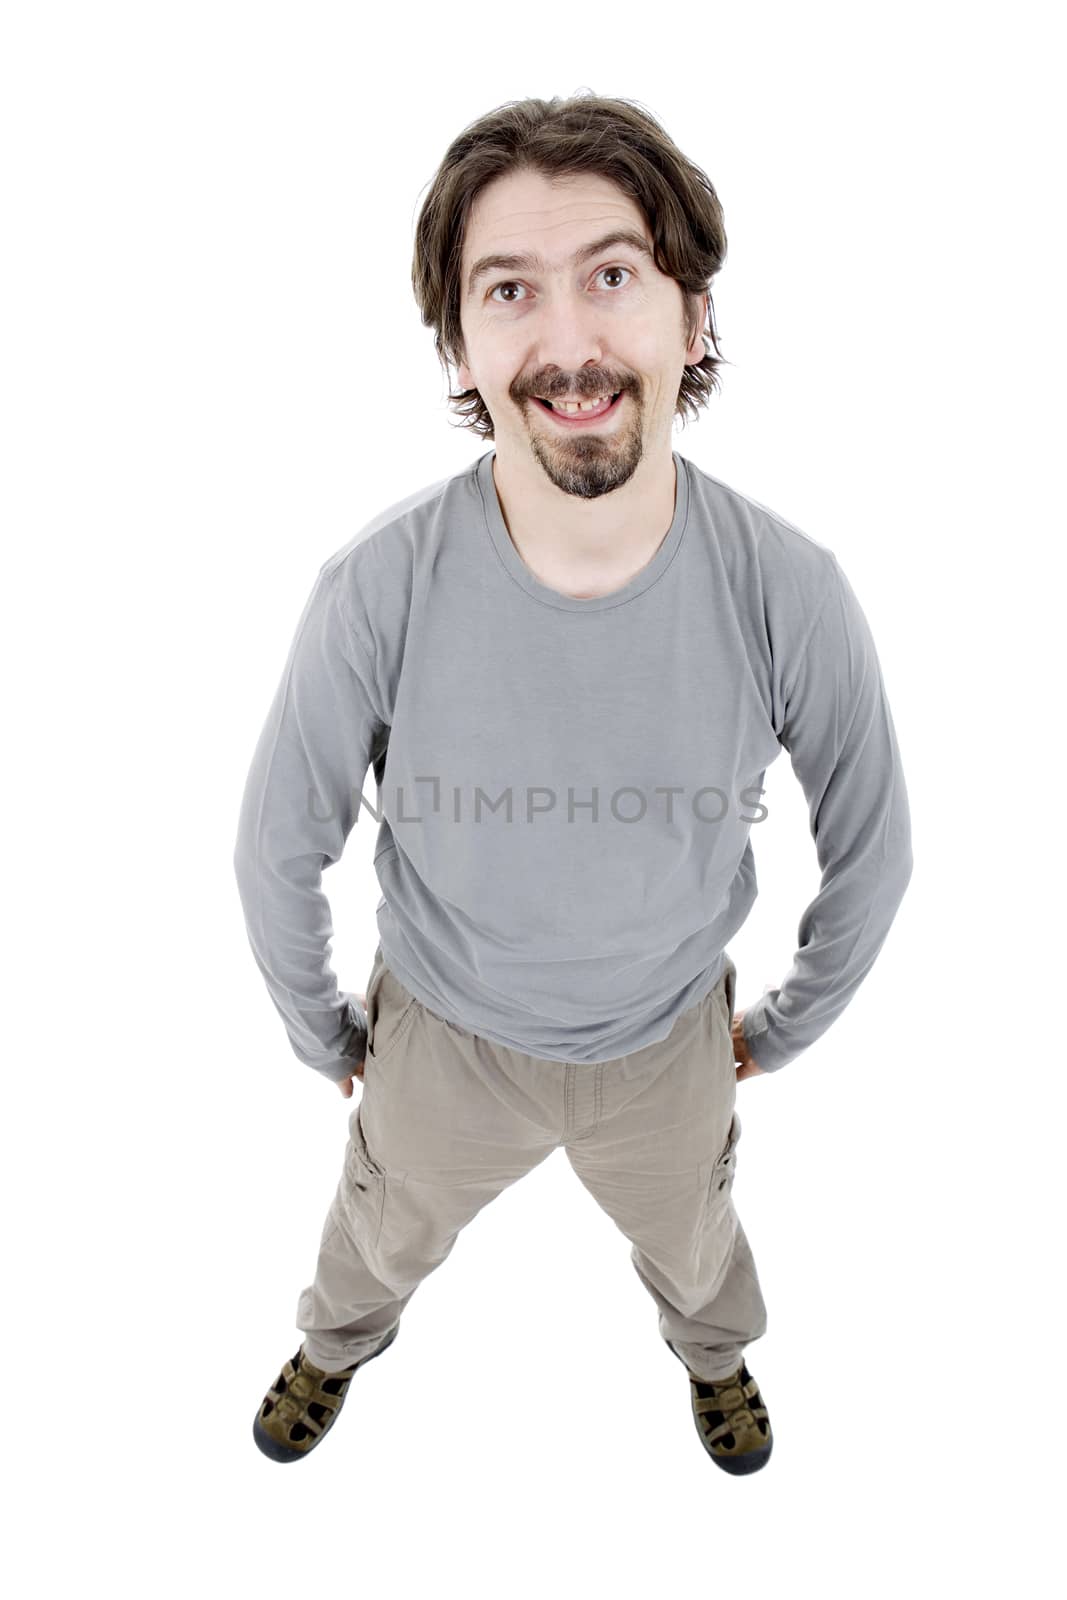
566,787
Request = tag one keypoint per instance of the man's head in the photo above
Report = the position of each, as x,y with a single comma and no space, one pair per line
546,181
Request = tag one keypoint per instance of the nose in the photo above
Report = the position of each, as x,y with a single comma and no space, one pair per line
567,344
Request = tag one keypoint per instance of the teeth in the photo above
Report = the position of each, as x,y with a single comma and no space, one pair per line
585,405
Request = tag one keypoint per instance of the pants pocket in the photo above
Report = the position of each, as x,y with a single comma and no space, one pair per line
361,1192
723,1168
389,1010
727,992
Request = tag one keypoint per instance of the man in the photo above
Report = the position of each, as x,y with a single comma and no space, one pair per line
570,666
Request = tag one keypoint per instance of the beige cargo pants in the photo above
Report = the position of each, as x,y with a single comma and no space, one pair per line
447,1120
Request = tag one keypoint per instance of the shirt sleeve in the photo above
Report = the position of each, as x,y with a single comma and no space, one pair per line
838,730
299,805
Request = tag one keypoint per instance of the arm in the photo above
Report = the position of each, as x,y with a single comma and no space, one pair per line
838,730
298,808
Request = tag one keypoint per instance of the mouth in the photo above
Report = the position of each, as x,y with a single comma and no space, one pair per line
581,419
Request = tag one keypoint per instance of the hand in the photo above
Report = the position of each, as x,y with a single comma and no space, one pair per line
345,1084
748,1067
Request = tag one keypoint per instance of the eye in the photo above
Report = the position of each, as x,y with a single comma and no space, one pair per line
511,284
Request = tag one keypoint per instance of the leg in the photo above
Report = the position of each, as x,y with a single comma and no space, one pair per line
431,1142
662,1168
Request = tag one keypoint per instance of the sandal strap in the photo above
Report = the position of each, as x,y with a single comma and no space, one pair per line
302,1389
738,1405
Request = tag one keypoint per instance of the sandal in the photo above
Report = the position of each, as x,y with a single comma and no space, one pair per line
731,1419
302,1404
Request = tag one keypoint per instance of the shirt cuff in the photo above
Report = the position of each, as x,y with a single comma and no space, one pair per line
769,1054
338,1068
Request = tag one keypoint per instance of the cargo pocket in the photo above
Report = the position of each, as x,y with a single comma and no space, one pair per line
361,1192
721,1181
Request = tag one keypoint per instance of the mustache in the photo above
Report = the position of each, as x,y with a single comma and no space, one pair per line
588,389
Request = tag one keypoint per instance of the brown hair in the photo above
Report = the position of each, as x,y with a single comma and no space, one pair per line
583,133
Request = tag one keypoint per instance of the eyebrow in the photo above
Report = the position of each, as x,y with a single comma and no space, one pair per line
525,263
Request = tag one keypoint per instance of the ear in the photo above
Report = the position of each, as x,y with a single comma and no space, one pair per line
463,371
696,351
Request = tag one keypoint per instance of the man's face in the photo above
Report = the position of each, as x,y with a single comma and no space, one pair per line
571,328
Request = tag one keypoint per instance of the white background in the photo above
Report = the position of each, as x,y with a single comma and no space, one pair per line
213,373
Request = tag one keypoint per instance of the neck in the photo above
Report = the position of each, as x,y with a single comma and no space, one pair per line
585,547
